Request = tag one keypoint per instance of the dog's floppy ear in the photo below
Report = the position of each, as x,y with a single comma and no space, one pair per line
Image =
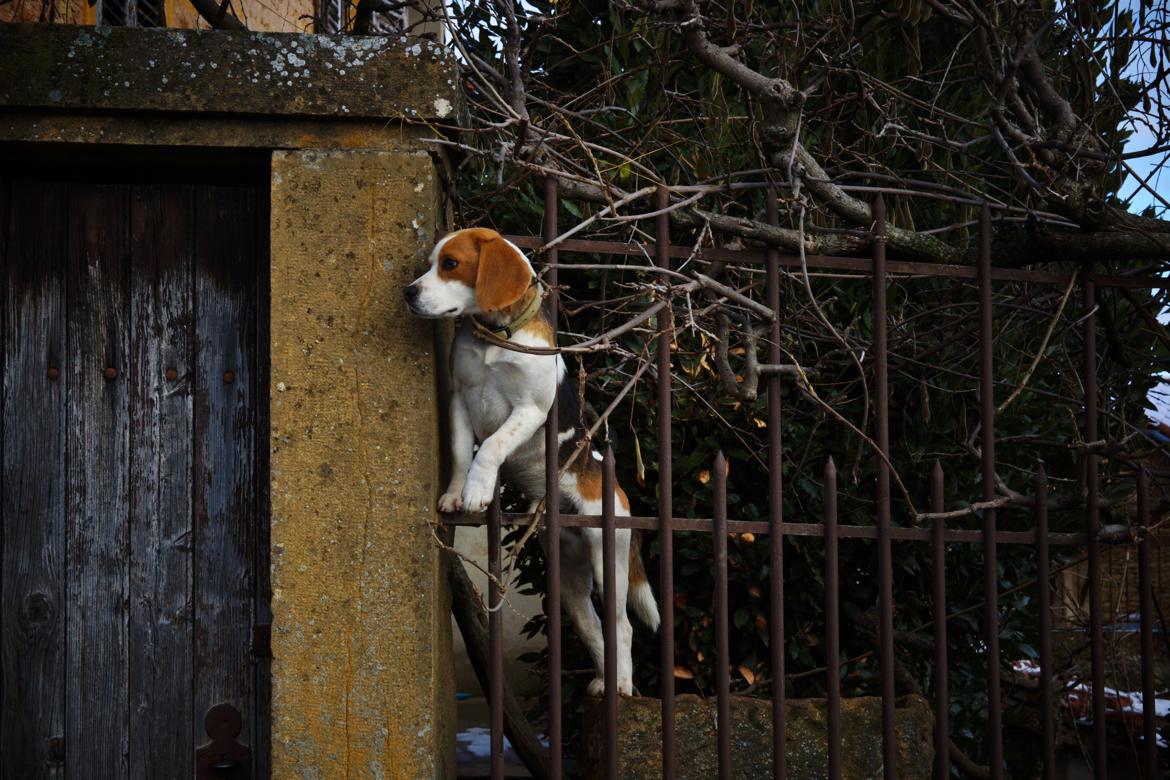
503,275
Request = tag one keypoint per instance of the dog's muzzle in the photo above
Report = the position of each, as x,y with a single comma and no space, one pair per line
411,293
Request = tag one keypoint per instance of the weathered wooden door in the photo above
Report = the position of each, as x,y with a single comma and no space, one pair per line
134,532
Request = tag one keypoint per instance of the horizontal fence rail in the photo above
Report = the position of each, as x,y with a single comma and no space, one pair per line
903,268
882,531
762,527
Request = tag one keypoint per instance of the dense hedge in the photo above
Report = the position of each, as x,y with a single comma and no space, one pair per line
621,80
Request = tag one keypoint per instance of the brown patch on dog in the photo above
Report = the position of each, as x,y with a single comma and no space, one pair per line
463,248
538,327
503,275
588,480
637,569
589,488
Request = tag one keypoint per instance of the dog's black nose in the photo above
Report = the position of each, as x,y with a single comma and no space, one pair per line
411,293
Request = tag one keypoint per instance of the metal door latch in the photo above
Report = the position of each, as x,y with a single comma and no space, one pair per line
223,757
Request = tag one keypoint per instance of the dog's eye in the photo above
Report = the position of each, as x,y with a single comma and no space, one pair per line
448,264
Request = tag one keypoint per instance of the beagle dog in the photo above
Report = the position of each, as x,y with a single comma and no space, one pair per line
500,399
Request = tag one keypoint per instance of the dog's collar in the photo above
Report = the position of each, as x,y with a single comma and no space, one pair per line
507,331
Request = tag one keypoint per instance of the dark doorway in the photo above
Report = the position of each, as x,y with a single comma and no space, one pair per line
134,525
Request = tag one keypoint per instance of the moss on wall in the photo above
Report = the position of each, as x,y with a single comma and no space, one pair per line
191,71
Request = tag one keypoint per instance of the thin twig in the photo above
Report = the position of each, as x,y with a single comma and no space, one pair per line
1072,280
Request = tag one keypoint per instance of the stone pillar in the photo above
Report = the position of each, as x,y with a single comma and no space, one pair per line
362,679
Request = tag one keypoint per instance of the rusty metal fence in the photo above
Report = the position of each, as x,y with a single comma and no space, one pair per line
883,532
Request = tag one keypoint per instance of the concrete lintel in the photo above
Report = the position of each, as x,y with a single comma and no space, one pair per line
211,132
68,67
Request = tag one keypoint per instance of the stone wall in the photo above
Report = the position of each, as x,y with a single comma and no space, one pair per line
806,735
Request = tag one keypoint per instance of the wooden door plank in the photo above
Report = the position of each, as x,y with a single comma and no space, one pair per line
161,430
225,507
32,565
96,741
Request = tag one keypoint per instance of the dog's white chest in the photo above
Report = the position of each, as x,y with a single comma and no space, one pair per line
487,387
488,403
492,382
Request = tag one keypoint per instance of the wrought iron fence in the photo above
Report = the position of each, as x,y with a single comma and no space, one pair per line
883,532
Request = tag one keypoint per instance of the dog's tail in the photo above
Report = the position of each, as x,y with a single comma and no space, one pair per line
641,597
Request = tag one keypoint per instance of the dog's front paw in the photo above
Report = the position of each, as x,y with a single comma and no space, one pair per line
450,502
477,495
597,687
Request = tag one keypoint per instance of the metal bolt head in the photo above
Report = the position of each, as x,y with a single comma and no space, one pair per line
111,373
54,374
172,374
229,377
55,751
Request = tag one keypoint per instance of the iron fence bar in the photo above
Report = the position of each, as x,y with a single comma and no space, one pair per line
775,508
552,505
1092,485
882,436
722,654
665,491
1043,574
1145,586
609,608
987,463
832,622
704,524
942,766
833,263
495,639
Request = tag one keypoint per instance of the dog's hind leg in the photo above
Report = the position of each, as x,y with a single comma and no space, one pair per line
577,598
582,491
625,631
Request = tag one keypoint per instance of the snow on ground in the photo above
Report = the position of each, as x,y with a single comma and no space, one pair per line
476,742
1130,702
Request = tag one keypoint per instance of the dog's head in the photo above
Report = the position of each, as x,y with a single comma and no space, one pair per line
473,271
